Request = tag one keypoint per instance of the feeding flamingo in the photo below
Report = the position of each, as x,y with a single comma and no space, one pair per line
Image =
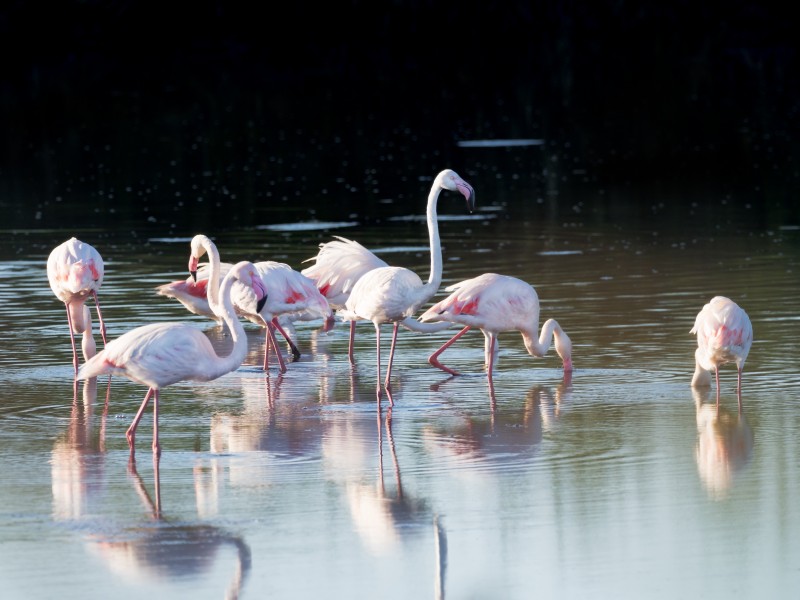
724,334
161,354
392,294
495,303
289,294
75,271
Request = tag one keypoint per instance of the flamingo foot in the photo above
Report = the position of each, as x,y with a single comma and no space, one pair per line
434,362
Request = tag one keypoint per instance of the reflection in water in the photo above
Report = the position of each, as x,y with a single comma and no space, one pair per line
157,551
380,513
440,545
77,460
516,431
162,552
724,444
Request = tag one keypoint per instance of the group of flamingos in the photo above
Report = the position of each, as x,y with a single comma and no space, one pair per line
349,281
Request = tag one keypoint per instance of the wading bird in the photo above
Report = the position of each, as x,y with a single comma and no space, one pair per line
160,354
495,303
75,271
392,294
724,334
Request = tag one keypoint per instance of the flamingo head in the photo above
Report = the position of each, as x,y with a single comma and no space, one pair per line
450,180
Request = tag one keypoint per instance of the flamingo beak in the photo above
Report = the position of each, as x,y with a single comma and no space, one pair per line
193,260
261,303
260,290
468,193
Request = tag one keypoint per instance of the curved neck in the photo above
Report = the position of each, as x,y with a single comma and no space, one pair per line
239,351
213,291
435,278
542,345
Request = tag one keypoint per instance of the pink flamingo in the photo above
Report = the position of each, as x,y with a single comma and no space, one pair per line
724,334
75,271
338,265
495,303
289,294
161,354
392,294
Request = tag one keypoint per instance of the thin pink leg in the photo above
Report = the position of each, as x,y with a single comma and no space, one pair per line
387,384
295,351
72,339
716,372
739,389
433,358
156,445
131,433
272,339
378,346
100,318
352,341
492,342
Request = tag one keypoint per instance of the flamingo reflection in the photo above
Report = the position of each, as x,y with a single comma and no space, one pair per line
513,431
724,444
77,459
160,551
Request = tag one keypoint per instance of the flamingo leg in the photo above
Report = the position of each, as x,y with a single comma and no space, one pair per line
100,317
433,359
295,351
271,339
387,383
378,347
492,342
716,373
156,445
739,389
352,341
72,339
131,433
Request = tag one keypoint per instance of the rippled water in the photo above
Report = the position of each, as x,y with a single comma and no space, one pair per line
617,482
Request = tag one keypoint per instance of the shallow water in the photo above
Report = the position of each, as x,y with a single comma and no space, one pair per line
619,481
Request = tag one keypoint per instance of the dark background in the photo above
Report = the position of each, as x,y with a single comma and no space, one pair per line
674,94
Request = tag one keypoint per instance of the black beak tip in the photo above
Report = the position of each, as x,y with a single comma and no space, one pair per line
261,303
194,275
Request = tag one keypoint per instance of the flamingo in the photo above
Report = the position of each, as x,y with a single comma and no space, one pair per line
160,354
289,294
724,334
75,271
337,267
496,303
392,294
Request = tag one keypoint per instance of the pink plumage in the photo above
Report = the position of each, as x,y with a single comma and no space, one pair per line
160,354
494,303
75,271
724,335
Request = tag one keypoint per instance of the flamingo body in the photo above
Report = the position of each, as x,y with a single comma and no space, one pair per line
724,335
494,303
392,294
337,267
160,354
75,271
290,295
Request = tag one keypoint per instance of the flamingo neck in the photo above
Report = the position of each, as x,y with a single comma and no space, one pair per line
213,289
435,278
226,311
540,347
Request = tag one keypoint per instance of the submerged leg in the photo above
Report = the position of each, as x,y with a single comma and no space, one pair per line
492,341
156,445
433,359
387,384
130,434
352,340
